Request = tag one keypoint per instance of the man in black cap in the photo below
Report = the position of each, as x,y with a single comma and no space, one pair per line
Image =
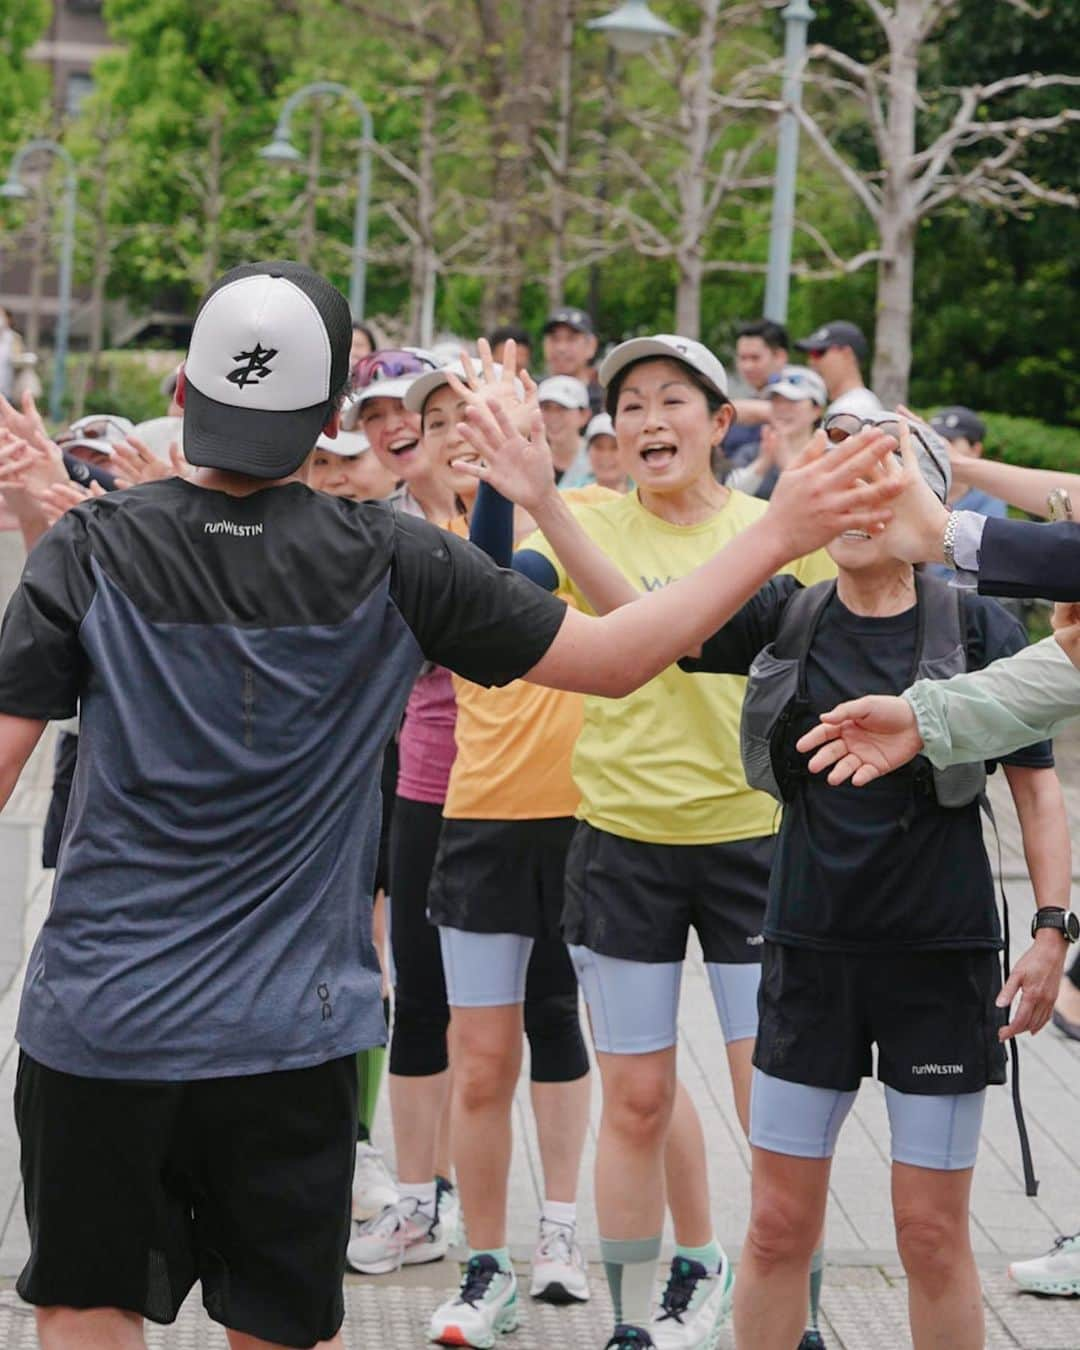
239,649
837,351
965,431
569,348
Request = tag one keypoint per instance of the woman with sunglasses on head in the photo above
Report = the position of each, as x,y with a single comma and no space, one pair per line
881,927
797,400
669,835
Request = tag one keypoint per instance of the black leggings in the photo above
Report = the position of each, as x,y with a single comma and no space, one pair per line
421,1013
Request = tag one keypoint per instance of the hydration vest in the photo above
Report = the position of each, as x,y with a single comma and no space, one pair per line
776,698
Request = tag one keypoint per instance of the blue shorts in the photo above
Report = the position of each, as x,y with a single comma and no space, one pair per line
634,1005
937,1132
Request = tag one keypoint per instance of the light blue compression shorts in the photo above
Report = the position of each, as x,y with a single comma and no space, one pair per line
634,1005
941,1133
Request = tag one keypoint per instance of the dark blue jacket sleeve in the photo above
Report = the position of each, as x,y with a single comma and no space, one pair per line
1028,559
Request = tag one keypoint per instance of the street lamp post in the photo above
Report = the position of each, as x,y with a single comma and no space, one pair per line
282,151
631,30
14,188
797,17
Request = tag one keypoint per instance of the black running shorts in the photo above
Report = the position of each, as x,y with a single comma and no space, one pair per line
501,876
638,901
135,1190
931,1015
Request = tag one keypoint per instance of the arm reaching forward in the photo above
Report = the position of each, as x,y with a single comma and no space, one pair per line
819,497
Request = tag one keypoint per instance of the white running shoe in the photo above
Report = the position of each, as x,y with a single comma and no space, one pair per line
448,1203
483,1308
558,1267
1058,1272
694,1307
402,1235
372,1187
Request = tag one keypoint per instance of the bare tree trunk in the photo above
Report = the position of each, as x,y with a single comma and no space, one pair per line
896,271
309,228
561,170
691,178
688,294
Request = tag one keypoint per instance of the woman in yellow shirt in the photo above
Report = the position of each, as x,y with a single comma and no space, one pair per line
669,836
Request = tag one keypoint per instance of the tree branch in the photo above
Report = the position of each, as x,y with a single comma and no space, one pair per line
850,175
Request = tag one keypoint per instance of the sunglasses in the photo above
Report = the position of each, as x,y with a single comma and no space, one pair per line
389,365
95,427
840,425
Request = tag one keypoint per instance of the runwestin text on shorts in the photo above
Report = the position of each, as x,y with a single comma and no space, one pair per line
231,527
920,1069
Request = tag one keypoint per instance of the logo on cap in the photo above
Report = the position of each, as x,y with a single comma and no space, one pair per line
952,420
257,366
821,335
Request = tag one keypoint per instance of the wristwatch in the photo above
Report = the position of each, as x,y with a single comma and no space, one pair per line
1062,919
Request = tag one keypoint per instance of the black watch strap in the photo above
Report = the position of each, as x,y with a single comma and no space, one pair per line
1064,920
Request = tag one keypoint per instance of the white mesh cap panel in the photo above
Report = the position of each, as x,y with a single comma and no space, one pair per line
260,343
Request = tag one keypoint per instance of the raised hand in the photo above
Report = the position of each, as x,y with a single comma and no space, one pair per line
512,389
61,497
134,462
515,465
29,466
25,421
820,495
861,740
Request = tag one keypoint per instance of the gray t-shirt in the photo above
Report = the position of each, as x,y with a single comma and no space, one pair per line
240,664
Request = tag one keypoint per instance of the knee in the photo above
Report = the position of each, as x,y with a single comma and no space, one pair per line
639,1106
781,1231
60,1327
932,1245
485,1071
556,1045
418,1039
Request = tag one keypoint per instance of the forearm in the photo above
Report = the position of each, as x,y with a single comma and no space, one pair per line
1044,826
29,515
631,645
1026,489
752,412
991,712
18,736
587,565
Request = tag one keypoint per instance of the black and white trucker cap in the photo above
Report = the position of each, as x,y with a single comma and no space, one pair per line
269,355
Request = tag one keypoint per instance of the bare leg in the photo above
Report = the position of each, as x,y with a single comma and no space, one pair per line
418,1107
240,1340
486,1050
562,1122
444,1146
686,1172
930,1209
639,1095
787,1209
89,1329
740,1061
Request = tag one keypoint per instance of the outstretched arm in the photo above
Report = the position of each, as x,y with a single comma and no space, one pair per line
819,497
985,714
1026,489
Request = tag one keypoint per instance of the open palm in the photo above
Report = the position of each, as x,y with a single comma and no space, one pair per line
863,740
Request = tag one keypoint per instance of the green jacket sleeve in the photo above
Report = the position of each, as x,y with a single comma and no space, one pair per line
989,713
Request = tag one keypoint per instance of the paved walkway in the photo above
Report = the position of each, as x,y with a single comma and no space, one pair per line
865,1296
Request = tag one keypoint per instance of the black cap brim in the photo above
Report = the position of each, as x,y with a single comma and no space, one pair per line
248,441
560,321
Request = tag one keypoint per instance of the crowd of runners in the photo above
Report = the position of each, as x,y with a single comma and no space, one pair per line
577,651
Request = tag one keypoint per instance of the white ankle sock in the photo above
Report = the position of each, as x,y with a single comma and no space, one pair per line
423,1192
559,1211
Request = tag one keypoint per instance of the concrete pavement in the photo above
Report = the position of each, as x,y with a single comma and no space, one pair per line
864,1300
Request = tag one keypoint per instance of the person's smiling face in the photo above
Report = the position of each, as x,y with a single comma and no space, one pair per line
663,426
394,434
445,444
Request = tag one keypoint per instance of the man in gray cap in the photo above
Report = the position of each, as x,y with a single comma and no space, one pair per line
837,351
570,348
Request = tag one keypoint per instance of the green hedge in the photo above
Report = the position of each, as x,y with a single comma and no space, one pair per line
1036,445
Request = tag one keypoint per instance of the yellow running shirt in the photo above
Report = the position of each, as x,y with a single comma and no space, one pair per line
663,764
